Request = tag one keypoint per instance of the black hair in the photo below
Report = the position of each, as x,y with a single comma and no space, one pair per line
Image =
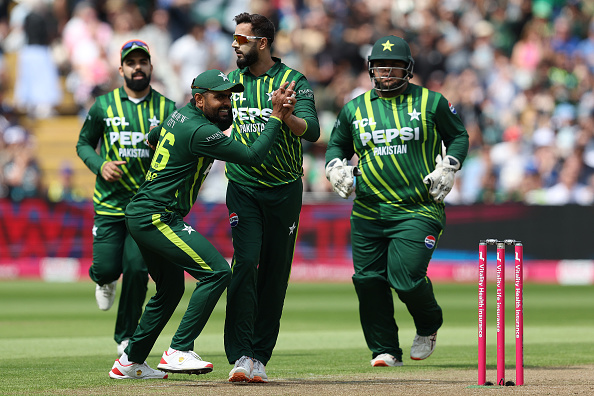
261,26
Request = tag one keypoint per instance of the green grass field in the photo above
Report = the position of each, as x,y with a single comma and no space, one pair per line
54,340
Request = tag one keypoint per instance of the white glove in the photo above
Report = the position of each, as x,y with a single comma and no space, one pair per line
441,180
341,176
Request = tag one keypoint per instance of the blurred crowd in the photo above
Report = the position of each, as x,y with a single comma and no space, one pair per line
519,72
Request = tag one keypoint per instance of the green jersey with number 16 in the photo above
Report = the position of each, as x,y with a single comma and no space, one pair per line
397,140
188,145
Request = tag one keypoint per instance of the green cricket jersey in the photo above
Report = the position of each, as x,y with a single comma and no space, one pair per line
251,109
117,126
396,141
188,145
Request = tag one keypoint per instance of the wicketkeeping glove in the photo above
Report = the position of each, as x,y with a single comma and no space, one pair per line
441,180
341,176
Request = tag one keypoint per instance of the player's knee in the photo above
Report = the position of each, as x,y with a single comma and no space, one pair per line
366,282
103,274
224,275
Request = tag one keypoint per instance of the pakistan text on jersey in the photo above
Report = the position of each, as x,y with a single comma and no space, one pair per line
390,150
134,153
250,128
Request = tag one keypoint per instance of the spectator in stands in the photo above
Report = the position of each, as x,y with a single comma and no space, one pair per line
190,55
563,41
585,48
20,172
158,36
64,189
37,87
86,39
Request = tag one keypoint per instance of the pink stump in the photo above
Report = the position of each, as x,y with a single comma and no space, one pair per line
519,283
500,313
482,314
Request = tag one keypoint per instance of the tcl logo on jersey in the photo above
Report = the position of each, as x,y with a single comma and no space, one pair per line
250,113
237,97
363,122
116,121
385,136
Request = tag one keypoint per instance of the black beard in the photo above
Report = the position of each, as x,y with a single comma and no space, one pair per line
248,59
138,85
222,123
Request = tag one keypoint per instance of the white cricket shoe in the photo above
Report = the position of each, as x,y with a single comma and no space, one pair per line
135,371
242,371
184,362
423,347
105,295
385,360
259,372
122,347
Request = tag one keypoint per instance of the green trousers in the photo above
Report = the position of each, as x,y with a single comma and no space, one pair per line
264,225
394,255
169,247
115,253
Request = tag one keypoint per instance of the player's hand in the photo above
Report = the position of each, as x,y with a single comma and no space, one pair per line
283,100
441,180
111,171
341,176
146,141
291,98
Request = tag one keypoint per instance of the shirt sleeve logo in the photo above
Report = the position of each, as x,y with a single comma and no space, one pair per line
452,108
233,219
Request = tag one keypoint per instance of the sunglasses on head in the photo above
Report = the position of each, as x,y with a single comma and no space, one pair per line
134,44
241,39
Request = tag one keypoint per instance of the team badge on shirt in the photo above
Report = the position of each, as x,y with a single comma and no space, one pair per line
233,219
452,108
429,241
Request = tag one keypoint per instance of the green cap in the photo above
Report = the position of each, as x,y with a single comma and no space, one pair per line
393,48
214,80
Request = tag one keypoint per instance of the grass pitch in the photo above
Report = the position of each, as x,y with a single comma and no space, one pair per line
54,339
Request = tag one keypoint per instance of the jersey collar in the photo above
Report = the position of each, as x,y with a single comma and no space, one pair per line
270,72
374,94
124,95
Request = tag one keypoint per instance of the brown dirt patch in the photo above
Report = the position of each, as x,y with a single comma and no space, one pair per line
575,380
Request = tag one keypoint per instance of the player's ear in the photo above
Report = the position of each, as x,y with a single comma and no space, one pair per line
199,98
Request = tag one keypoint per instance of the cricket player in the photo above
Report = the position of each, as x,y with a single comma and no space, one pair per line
117,124
188,143
264,201
396,130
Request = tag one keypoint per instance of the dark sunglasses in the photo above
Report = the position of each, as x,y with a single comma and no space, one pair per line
241,39
134,44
